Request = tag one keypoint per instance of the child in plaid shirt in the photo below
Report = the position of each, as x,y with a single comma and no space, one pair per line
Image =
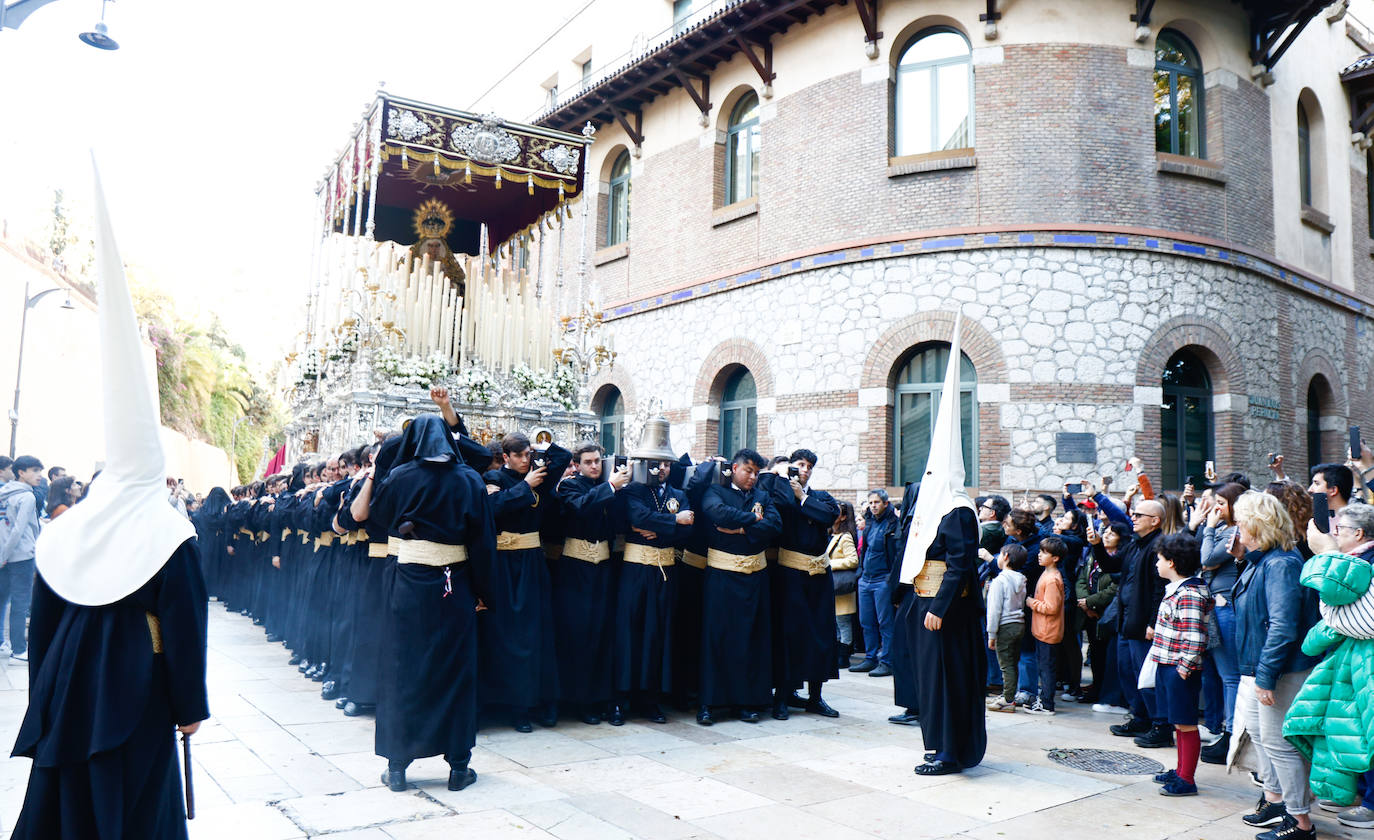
1179,639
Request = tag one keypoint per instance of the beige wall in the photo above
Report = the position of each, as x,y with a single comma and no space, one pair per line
61,402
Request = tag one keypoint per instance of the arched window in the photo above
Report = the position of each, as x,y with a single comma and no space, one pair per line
919,382
934,98
1314,423
611,419
1304,156
1185,420
618,219
1178,96
742,150
739,422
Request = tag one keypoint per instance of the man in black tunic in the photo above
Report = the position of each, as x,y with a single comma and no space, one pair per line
940,561
117,630
439,508
519,660
584,584
736,632
803,587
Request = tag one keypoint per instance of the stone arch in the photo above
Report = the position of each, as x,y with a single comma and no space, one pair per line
1200,37
1214,348
879,374
723,360
1318,368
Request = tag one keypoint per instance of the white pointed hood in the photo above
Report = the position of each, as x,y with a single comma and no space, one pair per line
123,532
942,483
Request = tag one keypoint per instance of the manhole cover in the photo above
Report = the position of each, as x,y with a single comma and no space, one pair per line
1106,761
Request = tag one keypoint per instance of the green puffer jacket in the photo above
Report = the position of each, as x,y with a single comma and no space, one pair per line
1331,721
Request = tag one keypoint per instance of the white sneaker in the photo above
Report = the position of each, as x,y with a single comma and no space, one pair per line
1107,709
23,656
1038,708
1000,704
1069,697
1023,698
4,648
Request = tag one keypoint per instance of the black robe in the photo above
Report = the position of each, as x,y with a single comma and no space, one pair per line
519,660
687,618
370,598
647,598
584,594
803,603
102,707
737,633
904,629
427,702
952,662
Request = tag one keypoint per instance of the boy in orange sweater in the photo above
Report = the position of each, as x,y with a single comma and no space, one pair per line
1047,620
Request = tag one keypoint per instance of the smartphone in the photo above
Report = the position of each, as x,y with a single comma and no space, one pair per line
621,461
1273,458
1129,467
1188,482
1234,542
1321,513
725,475
1075,489
1210,469
793,472
1355,446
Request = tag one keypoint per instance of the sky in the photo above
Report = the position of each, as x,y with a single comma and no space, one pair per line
214,122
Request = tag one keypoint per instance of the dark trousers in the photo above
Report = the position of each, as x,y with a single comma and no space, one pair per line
1106,686
1046,655
16,589
1130,657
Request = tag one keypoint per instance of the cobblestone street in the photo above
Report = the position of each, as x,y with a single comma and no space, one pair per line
276,762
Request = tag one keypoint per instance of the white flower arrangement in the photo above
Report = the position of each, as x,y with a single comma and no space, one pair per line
411,370
558,386
476,385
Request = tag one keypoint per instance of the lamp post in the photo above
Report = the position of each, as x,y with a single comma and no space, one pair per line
30,301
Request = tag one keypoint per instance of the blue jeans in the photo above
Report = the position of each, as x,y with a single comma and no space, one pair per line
1046,653
1221,674
1028,668
1130,658
876,617
16,589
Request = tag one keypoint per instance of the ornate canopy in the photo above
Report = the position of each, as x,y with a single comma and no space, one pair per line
465,170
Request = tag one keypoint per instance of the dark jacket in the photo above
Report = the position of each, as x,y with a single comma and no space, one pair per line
880,552
1273,614
1141,587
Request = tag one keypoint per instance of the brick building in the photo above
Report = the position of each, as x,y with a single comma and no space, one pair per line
1154,217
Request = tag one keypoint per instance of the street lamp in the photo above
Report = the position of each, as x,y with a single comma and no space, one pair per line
30,301
14,13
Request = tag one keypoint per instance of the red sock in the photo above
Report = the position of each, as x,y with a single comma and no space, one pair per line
1189,748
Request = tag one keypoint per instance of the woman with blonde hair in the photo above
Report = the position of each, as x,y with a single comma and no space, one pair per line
1273,614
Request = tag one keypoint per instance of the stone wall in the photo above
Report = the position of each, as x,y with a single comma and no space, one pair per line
1063,339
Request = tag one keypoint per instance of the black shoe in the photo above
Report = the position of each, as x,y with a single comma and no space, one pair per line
795,701
341,702
330,690
907,718
864,666
1131,728
704,716
523,725
273,638
1288,830
549,719
1266,813
616,717
302,664
655,714
749,715
258,622
779,710
1215,753
294,660
395,780
937,768
818,706
591,718
1158,736
881,671
353,709
322,673
460,777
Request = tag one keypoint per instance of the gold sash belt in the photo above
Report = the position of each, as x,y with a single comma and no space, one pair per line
285,533
743,563
247,533
694,560
508,541
324,540
927,583
154,631
647,555
305,538
377,550
426,553
591,552
803,562
262,536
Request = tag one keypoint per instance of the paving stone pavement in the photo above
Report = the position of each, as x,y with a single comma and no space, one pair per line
276,762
